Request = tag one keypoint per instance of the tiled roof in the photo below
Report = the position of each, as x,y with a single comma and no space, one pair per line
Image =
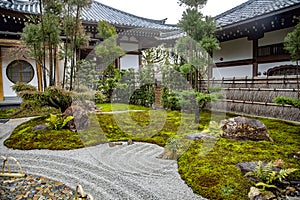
252,9
96,12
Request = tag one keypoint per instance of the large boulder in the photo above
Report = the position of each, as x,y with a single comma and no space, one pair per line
80,120
242,128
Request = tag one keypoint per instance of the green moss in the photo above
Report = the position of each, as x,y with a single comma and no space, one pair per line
23,137
212,174
108,107
215,175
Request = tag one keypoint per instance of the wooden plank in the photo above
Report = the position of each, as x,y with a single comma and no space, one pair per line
15,175
1,81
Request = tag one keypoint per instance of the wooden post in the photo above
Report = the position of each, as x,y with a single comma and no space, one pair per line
39,76
1,81
255,56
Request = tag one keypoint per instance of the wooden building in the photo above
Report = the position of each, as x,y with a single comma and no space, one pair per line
251,37
135,34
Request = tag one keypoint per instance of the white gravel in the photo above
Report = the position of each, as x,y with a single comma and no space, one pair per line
121,172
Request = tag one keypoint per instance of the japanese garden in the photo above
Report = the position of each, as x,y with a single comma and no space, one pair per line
97,103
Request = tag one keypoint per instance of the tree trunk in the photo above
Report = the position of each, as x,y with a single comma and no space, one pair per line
55,65
50,63
44,46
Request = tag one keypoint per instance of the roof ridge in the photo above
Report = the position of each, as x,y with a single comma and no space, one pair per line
234,9
162,21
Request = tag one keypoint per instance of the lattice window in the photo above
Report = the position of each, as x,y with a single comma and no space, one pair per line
20,71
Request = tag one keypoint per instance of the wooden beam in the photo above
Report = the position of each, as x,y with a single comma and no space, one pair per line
1,81
234,63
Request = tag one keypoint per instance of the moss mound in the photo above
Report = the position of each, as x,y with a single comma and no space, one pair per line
213,175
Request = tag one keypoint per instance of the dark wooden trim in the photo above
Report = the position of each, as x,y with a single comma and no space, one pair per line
274,58
1,81
255,56
235,63
133,53
260,60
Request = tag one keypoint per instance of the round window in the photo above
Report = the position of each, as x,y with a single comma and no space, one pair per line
20,71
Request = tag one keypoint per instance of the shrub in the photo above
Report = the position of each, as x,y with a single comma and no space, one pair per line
58,98
143,96
21,86
100,97
287,101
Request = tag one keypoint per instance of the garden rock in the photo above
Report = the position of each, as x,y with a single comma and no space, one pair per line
87,105
242,128
40,127
200,136
257,194
246,167
80,120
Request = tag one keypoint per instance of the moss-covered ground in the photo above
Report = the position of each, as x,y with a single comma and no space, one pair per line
212,175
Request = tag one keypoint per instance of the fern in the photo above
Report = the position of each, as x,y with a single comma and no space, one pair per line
57,122
267,176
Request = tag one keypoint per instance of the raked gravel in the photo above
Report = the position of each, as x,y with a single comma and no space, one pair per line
120,172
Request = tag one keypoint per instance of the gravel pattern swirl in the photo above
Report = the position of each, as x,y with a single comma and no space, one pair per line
121,172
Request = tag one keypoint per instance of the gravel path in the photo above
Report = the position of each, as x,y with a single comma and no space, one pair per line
120,172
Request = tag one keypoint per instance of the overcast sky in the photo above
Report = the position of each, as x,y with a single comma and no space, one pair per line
160,9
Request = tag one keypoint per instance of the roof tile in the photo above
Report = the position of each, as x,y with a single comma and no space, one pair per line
96,12
252,9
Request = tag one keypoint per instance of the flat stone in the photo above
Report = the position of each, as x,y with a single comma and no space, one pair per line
200,136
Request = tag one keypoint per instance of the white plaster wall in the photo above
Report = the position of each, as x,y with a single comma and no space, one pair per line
274,37
230,72
264,67
129,46
7,84
129,61
233,50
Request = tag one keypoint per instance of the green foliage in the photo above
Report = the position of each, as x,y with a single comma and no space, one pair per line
58,122
287,101
193,3
108,50
143,96
267,176
58,98
106,30
200,28
173,145
292,43
170,100
187,100
21,86
86,75
100,97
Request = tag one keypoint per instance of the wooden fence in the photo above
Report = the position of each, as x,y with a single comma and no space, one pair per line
255,95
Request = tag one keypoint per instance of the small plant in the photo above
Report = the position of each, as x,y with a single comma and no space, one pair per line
173,145
267,176
58,122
